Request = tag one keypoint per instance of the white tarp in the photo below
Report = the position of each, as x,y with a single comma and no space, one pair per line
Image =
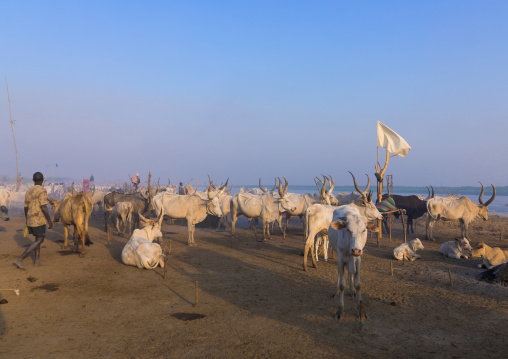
389,139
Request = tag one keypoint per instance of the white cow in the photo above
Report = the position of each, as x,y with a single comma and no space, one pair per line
455,249
491,256
4,196
347,235
318,218
140,251
407,251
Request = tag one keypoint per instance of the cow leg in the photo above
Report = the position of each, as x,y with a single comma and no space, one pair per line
117,226
234,217
341,286
358,287
409,224
428,227
66,232
325,248
309,244
106,218
191,226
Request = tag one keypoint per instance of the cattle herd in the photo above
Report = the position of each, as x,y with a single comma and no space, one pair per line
342,220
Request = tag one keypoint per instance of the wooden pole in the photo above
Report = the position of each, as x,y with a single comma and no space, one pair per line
391,268
402,213
450,275
18,176
196,300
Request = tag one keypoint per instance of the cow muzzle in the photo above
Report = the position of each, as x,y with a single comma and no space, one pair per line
356,252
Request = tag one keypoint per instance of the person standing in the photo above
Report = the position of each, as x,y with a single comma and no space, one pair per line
37,215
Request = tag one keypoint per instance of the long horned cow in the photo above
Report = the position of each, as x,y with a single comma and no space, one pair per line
266,206
189,206
463,209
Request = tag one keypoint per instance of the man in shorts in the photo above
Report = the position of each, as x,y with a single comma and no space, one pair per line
37,215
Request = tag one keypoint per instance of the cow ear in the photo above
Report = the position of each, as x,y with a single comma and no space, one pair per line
372,227
338,225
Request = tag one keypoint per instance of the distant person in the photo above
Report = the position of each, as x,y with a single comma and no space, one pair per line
86,185
181,189
92,180
37,215
136,181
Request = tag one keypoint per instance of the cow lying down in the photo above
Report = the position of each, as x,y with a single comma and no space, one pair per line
407,251
491,256
455,249
140,251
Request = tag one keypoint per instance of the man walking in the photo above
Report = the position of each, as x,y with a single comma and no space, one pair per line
37,215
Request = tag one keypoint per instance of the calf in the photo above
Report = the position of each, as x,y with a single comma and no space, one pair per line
120,213
140,251
454,249
407,251
491,256
347,235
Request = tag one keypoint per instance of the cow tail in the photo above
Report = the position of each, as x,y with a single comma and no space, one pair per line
428,210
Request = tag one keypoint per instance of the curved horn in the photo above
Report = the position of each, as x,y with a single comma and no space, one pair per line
72,188
274,186
211,182
332,186
209,192
432,192
188,184
322,190
319,189
319,179
286,185
169,182
223,188
159,217
356,185
143,218
429,196
480,198
281,192
197,184
262,189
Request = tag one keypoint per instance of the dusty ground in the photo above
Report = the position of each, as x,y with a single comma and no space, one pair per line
256,300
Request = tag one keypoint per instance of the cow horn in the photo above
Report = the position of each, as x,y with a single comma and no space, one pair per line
209,192
322,190
332,186
432,192
286,185
143,218
211,182
72,188
491,198
358,188
274,186
319,189
262,189
429,196
319,179
281,192
197,184
223,188
159,217
169,182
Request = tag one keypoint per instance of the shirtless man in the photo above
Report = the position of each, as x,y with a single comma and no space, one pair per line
37,215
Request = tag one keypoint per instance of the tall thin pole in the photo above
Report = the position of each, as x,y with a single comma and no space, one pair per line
18,178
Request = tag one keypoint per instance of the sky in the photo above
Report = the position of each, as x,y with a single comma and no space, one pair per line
255,89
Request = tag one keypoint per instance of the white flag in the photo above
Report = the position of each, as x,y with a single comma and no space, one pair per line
389,139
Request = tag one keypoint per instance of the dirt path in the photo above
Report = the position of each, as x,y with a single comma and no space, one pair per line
255,300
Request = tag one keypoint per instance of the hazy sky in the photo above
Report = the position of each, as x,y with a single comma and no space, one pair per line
249,89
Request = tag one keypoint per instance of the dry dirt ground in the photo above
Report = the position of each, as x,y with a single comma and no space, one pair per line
254,300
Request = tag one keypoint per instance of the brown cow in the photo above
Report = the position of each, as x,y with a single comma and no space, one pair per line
74,209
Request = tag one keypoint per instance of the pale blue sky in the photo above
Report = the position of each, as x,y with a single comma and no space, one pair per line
249,89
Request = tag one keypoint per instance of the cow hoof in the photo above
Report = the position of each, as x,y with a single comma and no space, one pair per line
192,244
82,255
65,248
339,316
